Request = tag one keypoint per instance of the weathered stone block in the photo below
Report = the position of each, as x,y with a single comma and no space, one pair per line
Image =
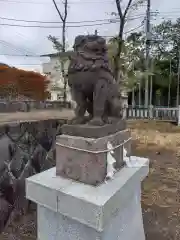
85,159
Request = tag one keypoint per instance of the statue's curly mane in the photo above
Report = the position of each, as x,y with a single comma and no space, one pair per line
89,55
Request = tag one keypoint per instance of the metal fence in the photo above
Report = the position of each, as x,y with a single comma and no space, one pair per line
164,114
156,113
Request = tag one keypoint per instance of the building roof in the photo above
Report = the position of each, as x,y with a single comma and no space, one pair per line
62,54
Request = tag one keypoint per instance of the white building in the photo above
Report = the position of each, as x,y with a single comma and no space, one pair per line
52,69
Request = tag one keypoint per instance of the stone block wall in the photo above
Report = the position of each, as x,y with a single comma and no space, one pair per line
25,149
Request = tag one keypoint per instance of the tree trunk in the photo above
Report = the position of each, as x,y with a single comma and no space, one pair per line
119,50
62,62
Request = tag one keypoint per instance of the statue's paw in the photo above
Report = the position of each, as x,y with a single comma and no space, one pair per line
109,121
89,118
96,122
78,120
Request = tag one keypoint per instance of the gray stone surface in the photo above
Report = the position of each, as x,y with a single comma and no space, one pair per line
89,131
125,225
92,82
69,210
87,167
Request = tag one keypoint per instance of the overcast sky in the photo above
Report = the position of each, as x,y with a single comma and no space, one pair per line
33,41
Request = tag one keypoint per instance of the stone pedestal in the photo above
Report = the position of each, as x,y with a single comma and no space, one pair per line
83,158
69,210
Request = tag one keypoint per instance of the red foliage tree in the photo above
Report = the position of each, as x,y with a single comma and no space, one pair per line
16,82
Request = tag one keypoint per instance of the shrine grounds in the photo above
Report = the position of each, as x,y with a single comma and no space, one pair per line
160,142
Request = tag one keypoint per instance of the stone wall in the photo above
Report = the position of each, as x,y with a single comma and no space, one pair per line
26,106
25,149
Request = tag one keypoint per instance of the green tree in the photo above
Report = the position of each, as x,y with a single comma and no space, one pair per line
165,52
167,48
132,71
123,16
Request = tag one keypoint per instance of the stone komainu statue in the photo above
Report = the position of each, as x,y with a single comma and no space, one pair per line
91,81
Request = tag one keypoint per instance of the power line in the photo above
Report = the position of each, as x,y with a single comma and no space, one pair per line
137,16
20,55
75,2
71,26
24,52
110,20
167,12
83,21
38,26
27,49
10,45
127,32
134,29
40,56
17,49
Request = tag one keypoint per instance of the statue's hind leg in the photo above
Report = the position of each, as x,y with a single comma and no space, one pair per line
81,106
99,101
116,108
90,106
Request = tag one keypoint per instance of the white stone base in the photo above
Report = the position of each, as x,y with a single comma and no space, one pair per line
68,210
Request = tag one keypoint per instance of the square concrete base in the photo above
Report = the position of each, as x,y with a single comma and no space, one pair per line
68,210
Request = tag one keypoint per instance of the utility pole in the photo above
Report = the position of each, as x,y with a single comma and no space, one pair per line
170,80
178,81
151,82
63,18
139,85
133,90
148,41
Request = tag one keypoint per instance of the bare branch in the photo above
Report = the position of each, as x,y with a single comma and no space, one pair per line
127,8
136,4
58,10
118,4
65,10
